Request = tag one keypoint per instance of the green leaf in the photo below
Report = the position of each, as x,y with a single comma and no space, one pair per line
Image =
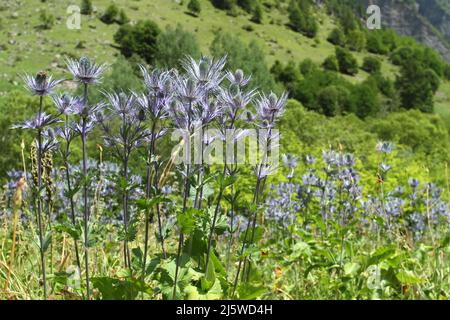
47,241
250,292
351,268
408,277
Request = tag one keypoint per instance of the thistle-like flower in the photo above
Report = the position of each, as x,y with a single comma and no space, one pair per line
66,104
85,71
39,122
187,90
123,105
235,103
237,78
157,81
385,147
84,110
269,108
40,85
207,72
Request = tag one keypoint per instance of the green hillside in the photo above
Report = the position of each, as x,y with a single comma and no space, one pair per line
25,46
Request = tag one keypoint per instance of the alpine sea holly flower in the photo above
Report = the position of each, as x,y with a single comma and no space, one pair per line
385,147
269,108
40,85
237,78
188,92
85,71
65,104
385,168
85,110
207,72
39,122
310,159
234,103
157,82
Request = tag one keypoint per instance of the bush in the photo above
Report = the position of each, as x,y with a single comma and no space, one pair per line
333,100
250,58
86,7
122,18
247,5
375,44
331,64
47,20
194,7
346,61
224,4
400,55
302,20
257,14
337,37
140,39
371,65
110,14
365,100
356,40
173,45
307,66
417,86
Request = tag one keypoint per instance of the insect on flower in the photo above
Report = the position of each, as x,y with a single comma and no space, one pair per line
40,85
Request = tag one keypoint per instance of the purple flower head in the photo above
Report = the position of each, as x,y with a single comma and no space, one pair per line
39,122
414,183
234,103
310,159
41,84
85,71
385,147
207,72
237,78
65,104
269,108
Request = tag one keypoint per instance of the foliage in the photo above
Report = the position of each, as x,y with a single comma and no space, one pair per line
194,7
346,61
86,7
250,58
173,45
110,14
371,65
140,39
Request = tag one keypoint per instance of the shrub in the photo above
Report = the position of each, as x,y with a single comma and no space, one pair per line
224,4
417,86
110,14
86,7
173,45
247,5
375,44
140,39
371,65
331,64
47,20
302,20
307,66
122,18
337,37
356,40
250,58
194,7
257,14
365,100
347,62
